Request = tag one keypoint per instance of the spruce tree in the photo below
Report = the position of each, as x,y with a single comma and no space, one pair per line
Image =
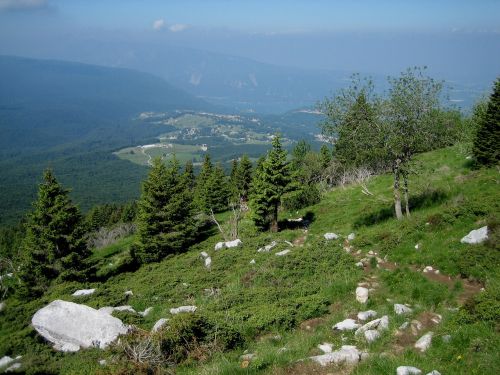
271,180
165,218
486,147
189,174
54,245
201,188
217,191
325,156
244,177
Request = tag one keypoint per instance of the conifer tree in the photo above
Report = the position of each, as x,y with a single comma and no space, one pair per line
54,245
244,177
165,219
486,147
217,192
201,188
270,182
325,156
189,174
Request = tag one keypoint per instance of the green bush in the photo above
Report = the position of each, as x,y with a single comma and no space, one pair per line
484,307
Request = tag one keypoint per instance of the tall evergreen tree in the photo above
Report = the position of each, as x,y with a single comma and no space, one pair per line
217,191
54,245
244,177
270,182
189,174
165,218
486,147
325,156
201,187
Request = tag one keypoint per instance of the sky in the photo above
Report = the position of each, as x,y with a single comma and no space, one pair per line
454,37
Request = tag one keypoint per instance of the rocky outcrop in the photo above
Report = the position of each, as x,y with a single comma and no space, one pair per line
361,294
183,309
71,326
476,236
346,354
330,236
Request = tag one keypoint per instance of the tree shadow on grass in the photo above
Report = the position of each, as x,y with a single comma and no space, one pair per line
307,219
428,198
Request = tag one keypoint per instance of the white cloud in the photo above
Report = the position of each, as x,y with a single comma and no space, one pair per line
177,27
22,4
159,24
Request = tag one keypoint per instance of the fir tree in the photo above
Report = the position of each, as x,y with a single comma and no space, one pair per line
54,245
165,219
486,147
201,188
325,156
189,174
217,192
244,177
270,182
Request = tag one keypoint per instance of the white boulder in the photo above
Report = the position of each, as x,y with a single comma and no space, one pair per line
346,354
434,372
476,236
346,325
160,323
325,347
380,324
424,342
204,254
235,243
183,309
208,262
71,326
5,361
281,253
83,292
371,335
220,245
400,309
330,236
361,294
2,306
365,315
252,261
351,236
145,312
267,248
129,293
408,370
14,367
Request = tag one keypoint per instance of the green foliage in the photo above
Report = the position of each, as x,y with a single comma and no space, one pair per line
165,219
486,146
243,177
54,244
270,182
484,307
212,190
107,215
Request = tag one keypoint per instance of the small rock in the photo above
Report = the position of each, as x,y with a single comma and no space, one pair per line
289,243
146,312
160,323
424,342
401,309
476,236
2,306
235,243
346,354
361,294
325,347
428,269
282,350
252,261
371,252
365,315
408,370
281,253
404,326
5,361
103,362
330,236
247,357
204,254
83,292
416,326
417,246
371,335
129,293
14,367
220,245
360,264
446,338
124,308
351,236
185,285
208,262
183,309
436,318
434,372
267,248
346,325
380,324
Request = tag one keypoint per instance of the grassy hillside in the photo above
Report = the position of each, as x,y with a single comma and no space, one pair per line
281,308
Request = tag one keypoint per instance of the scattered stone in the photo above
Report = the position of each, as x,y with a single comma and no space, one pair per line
371,252
183,309
401,309
204,254
371,335
417,246
103,362
2,306
330,236
408,370
298,220
71,326
360,264
5,361
325,347
129,293
289,243
434,372
235,243
281,253
446,338
346,325
145,312
361,294
160,323
282,350
365,315
424,342
247,357
83,292
14,367
380,324
267,248
404,326
220,245
351,236
124,308
346,354
476,236
428,269
208,262
436,318
252,261
416,326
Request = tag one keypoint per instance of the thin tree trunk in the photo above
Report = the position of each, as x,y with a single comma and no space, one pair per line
407,199
397,194
274,222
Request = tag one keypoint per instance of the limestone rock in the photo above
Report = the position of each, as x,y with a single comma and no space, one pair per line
351,236
2,306
408,370
281,253
220,245
424,342
160,323
434,372
330,236
380,324
476,236
204,254
183,309
267,248
71,326
83,292
208,262
401,309
371,335
346,325
145,312
346,354
235,243
252,261
14,367
365,315
325,347
361,294
5,361
129,293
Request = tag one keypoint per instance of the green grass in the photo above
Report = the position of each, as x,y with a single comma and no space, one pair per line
317,280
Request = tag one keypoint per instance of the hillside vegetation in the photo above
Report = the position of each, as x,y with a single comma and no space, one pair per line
280,308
